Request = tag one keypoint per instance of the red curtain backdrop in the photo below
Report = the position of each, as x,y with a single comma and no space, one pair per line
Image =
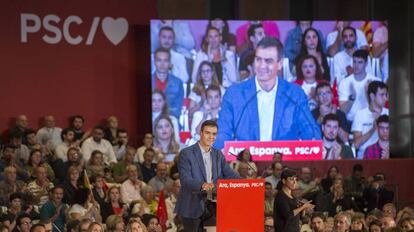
96,80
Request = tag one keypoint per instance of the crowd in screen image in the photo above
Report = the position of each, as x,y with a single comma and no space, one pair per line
92,179
328,81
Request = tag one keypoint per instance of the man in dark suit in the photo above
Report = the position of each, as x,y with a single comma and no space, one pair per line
200,166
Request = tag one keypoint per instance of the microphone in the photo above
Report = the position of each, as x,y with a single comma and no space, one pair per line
242,112
303,112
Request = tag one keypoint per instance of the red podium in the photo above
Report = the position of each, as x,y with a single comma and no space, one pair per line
240,205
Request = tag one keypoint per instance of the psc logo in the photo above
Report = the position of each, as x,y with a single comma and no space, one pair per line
115,30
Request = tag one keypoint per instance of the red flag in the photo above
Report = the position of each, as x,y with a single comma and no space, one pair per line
162,211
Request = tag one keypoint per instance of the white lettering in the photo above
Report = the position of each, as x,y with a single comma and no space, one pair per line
49,27
24,25
66,25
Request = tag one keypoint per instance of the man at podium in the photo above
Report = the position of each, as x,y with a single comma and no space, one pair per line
200,166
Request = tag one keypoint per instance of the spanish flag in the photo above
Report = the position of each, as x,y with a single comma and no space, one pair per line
86,182
367,29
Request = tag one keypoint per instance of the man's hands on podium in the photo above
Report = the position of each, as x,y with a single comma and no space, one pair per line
207,186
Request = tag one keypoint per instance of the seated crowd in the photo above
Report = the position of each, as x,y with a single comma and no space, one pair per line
79,181
336,73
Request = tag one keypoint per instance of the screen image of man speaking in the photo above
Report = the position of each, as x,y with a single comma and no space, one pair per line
200,166
265,107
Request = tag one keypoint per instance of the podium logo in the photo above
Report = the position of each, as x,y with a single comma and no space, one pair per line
114,30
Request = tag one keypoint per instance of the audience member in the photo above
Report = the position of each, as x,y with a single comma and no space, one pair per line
336,43
164,137
111,130
10,185
380,149
343,62
387,223
324,99
68,138
130,188
36,160
99,190
84,207
206,77
115,223
39,188
293,41
171,200
342,222
355,184
375,226
312,44
166,37
147,142
8,158
407,224
169,84
210,110
22,151
97,142
119,169
161,181
160,107
228,39
147,204
246,158
76,123
308,77
333,148
71,185
274,179
318,221
269,201
21,125
377,195
255,34
23,223
113,204
358,222
364,126
55,210
120,148
223,60
49,134
352,90
307,184
183,38
148,167
327,182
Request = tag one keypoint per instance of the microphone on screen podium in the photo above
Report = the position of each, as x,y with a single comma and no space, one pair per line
309,121
236,126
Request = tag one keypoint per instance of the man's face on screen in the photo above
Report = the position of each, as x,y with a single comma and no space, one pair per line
213,99
162,62
358,65
349,38
324,96
208,135
166,39
266,64
330,130
383,131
